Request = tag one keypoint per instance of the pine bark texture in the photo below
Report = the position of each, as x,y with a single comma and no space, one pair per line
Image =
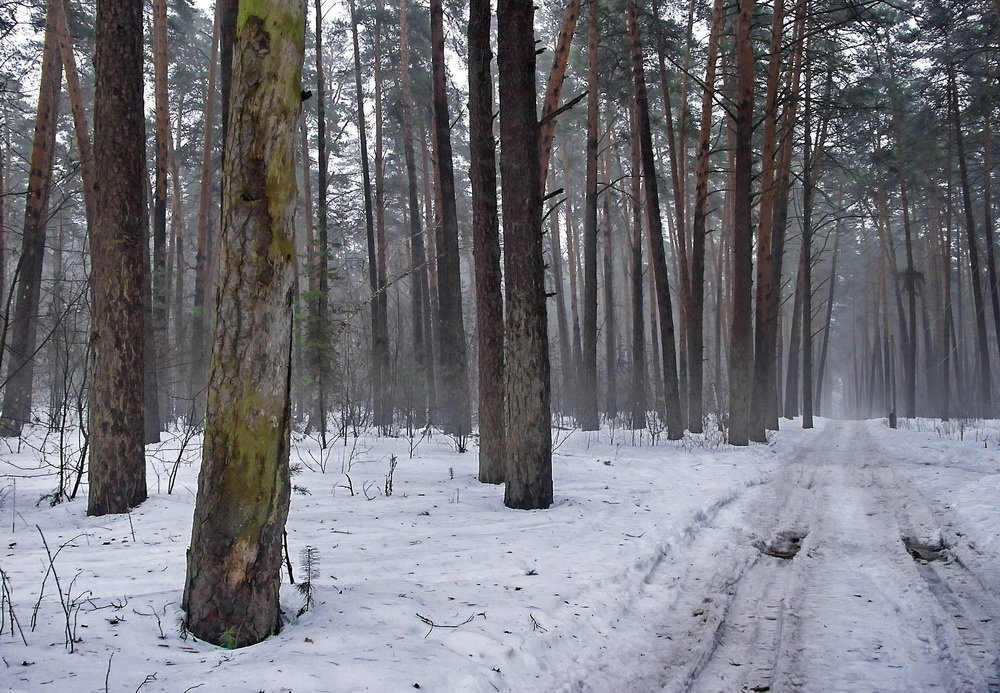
24,325
486,246
158,278
588,417
741,331
231,592
118,280
529,445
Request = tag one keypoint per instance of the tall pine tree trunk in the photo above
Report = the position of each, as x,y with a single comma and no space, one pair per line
741,332
553,89
985,394
658,258
486,247
529,453
763,414
639,376
233,572
380,336
453,397
588,379
24,325
205,239
158,277
418,258
696,310
118,277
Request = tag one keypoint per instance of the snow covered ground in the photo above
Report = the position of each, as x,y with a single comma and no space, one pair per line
671,566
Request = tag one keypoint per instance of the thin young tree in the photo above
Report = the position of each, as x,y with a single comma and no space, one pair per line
587,401
205,237
699,231
420,293
233,570
529,447
318,314
118,273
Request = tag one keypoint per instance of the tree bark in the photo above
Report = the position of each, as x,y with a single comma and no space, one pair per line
319,333
117,465
486,246
741,333
763,414
588,372
158,277
380,336
233,573
453,394
81,130
699,230
985,394
610,350
529,453
205,239
639,376
418,258
658,258
24,325
553,89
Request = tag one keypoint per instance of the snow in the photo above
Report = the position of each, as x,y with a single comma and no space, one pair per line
649,572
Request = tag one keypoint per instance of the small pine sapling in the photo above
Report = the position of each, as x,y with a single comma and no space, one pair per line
309,563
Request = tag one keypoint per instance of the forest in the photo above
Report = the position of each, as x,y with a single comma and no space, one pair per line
238,239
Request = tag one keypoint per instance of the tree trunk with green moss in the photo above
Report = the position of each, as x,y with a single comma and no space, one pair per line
231,591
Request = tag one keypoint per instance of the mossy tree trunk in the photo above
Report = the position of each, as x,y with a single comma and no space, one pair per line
118,279
231,592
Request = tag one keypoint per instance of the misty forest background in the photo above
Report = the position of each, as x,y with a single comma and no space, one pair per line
786,210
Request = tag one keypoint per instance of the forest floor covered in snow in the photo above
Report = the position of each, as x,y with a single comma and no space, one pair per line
850,557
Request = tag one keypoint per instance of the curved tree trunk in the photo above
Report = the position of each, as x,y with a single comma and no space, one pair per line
24,325
233,573
657,253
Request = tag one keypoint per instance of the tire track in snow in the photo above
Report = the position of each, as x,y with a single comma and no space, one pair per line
970,626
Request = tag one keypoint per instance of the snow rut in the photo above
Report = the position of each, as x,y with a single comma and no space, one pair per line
806,584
